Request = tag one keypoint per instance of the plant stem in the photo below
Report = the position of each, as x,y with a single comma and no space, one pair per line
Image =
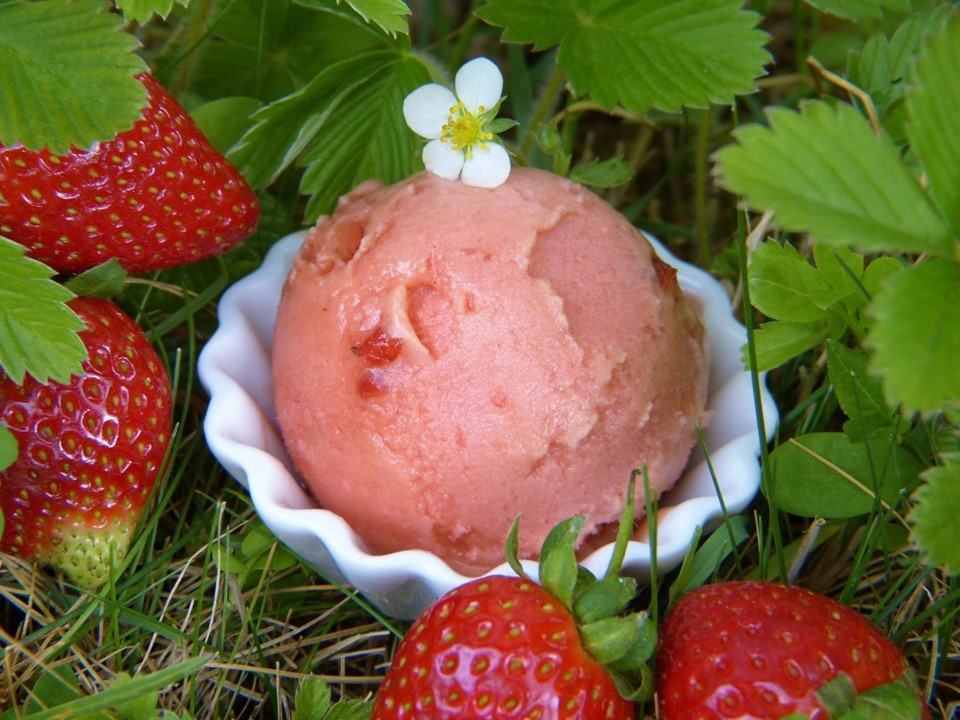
701,181
548,99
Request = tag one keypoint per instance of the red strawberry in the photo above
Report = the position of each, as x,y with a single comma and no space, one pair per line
156,196
508,647
497,647
753,649
90,450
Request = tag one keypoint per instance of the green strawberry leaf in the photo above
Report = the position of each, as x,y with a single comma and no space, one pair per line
826,475
643,53
106,280
934,516
916,335
558,561
860,394
825,171
608,173
142,10
76,52
705,562
784,286
38,332
362,134
860,10
268,49
285,128
312,700
933,105
777,342
893,701
390,15
8,450
542,23
225,121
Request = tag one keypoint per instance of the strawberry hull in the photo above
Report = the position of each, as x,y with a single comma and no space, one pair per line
156,196
90,450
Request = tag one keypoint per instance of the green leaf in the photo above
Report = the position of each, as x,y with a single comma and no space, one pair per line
859,10
542,23
934,516
610,639
390,15
117,695
916,335
312,700
38,332
142,10
643,53
714,550
604,598
142,707
777,342
225,121
934,106
893,701
825,171
285,128
558,561
363,135
66,75
860,394
784,286
8,448
106,280
268,49
842,269
608,173
826,475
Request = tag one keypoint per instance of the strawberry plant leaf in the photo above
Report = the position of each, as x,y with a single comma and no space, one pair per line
362,134
860,394
285,128
784,286
542,23
935,513
916,335
312,700
558,561
76,51
390,15
643,53
825,171
142,10
608,173
38,331
299,41
933,104
860,10
826,475
777,342
8,450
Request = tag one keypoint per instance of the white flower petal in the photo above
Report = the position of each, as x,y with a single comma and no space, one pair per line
441,160
427,108
488,166
479,84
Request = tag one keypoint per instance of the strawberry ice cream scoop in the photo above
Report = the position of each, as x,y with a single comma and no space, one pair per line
448,357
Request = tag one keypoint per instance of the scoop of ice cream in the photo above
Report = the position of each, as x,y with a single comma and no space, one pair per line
447,357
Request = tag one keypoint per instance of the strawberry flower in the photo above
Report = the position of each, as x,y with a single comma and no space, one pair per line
462,128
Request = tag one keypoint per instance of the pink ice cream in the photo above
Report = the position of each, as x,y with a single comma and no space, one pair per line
447,357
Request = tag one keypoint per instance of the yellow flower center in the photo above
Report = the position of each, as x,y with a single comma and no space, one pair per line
464,130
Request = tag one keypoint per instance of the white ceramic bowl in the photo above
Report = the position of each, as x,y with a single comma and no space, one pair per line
241,431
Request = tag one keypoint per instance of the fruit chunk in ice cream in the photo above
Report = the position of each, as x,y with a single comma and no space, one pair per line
447,357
